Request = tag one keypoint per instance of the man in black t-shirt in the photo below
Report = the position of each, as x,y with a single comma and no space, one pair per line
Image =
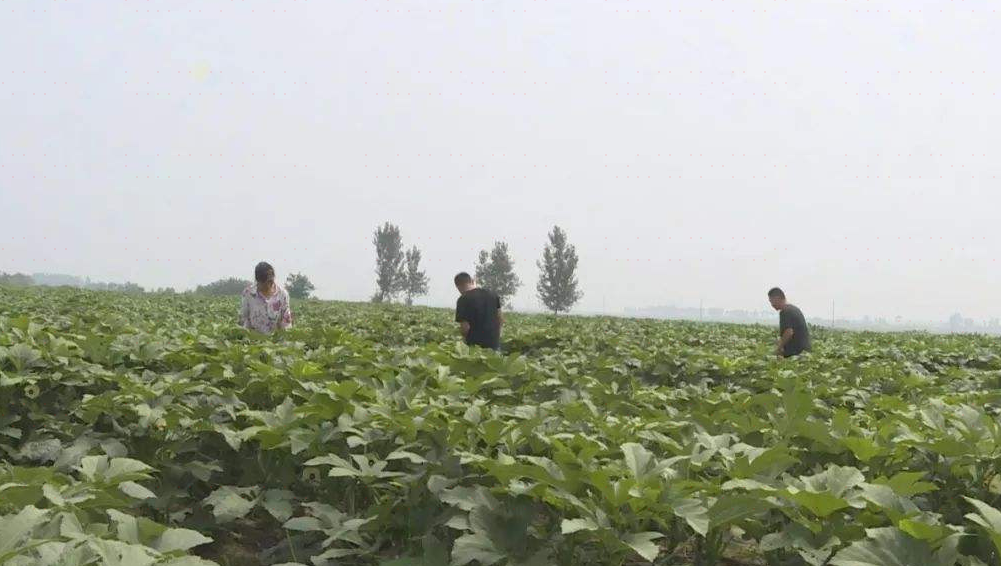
478,313
794,336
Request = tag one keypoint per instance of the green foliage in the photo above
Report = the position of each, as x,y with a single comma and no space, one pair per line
390,263
16,279
495,271
148,429
59,279
557,286
223,287
415,280
298,286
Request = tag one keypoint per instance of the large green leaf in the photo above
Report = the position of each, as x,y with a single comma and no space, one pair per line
892,547
15,529
638,459
987,517
731,509
694,512
907,483
475,546
863,448
23,357
229,502
820,504
643,544
570,526
836,480
115,553
180,539
278,502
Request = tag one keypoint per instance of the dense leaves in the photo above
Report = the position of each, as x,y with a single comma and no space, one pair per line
153,430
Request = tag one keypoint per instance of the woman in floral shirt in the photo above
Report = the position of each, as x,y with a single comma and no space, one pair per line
264,305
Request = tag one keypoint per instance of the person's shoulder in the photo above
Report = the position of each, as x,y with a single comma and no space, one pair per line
248,291
282,292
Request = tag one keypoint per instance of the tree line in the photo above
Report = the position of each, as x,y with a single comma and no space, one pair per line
58,280
297,285
398,272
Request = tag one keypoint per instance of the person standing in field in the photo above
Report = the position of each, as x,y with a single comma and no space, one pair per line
264,305
478,312
794,336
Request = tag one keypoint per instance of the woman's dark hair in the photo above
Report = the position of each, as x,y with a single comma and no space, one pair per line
264,272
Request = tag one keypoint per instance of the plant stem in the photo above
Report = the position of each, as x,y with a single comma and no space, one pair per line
291,546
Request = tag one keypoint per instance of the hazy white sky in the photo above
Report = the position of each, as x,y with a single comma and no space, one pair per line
844,150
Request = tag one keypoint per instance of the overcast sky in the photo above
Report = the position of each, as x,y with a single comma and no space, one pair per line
844,150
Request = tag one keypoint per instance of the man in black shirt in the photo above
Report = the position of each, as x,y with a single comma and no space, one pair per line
794,336
478,313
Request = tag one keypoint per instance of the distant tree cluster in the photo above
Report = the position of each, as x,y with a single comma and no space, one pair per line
396,272
130,288
299,286
16,279
495,271
223,287
62,280
557,286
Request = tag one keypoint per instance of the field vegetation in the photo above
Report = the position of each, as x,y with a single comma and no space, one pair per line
141,429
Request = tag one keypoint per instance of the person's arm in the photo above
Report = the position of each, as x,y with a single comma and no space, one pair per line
787,335
785,332
244,311
462,317
285,320
500,315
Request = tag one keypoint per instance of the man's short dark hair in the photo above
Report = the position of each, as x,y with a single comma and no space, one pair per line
264,272
776,292
463,278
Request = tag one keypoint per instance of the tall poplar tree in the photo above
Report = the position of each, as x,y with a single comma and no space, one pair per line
557,287
389,263
415,279
495,271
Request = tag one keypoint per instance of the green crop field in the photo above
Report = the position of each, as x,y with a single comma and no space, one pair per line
138,430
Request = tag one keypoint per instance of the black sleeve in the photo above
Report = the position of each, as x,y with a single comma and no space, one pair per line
783,321
800,322
462,310
498,301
